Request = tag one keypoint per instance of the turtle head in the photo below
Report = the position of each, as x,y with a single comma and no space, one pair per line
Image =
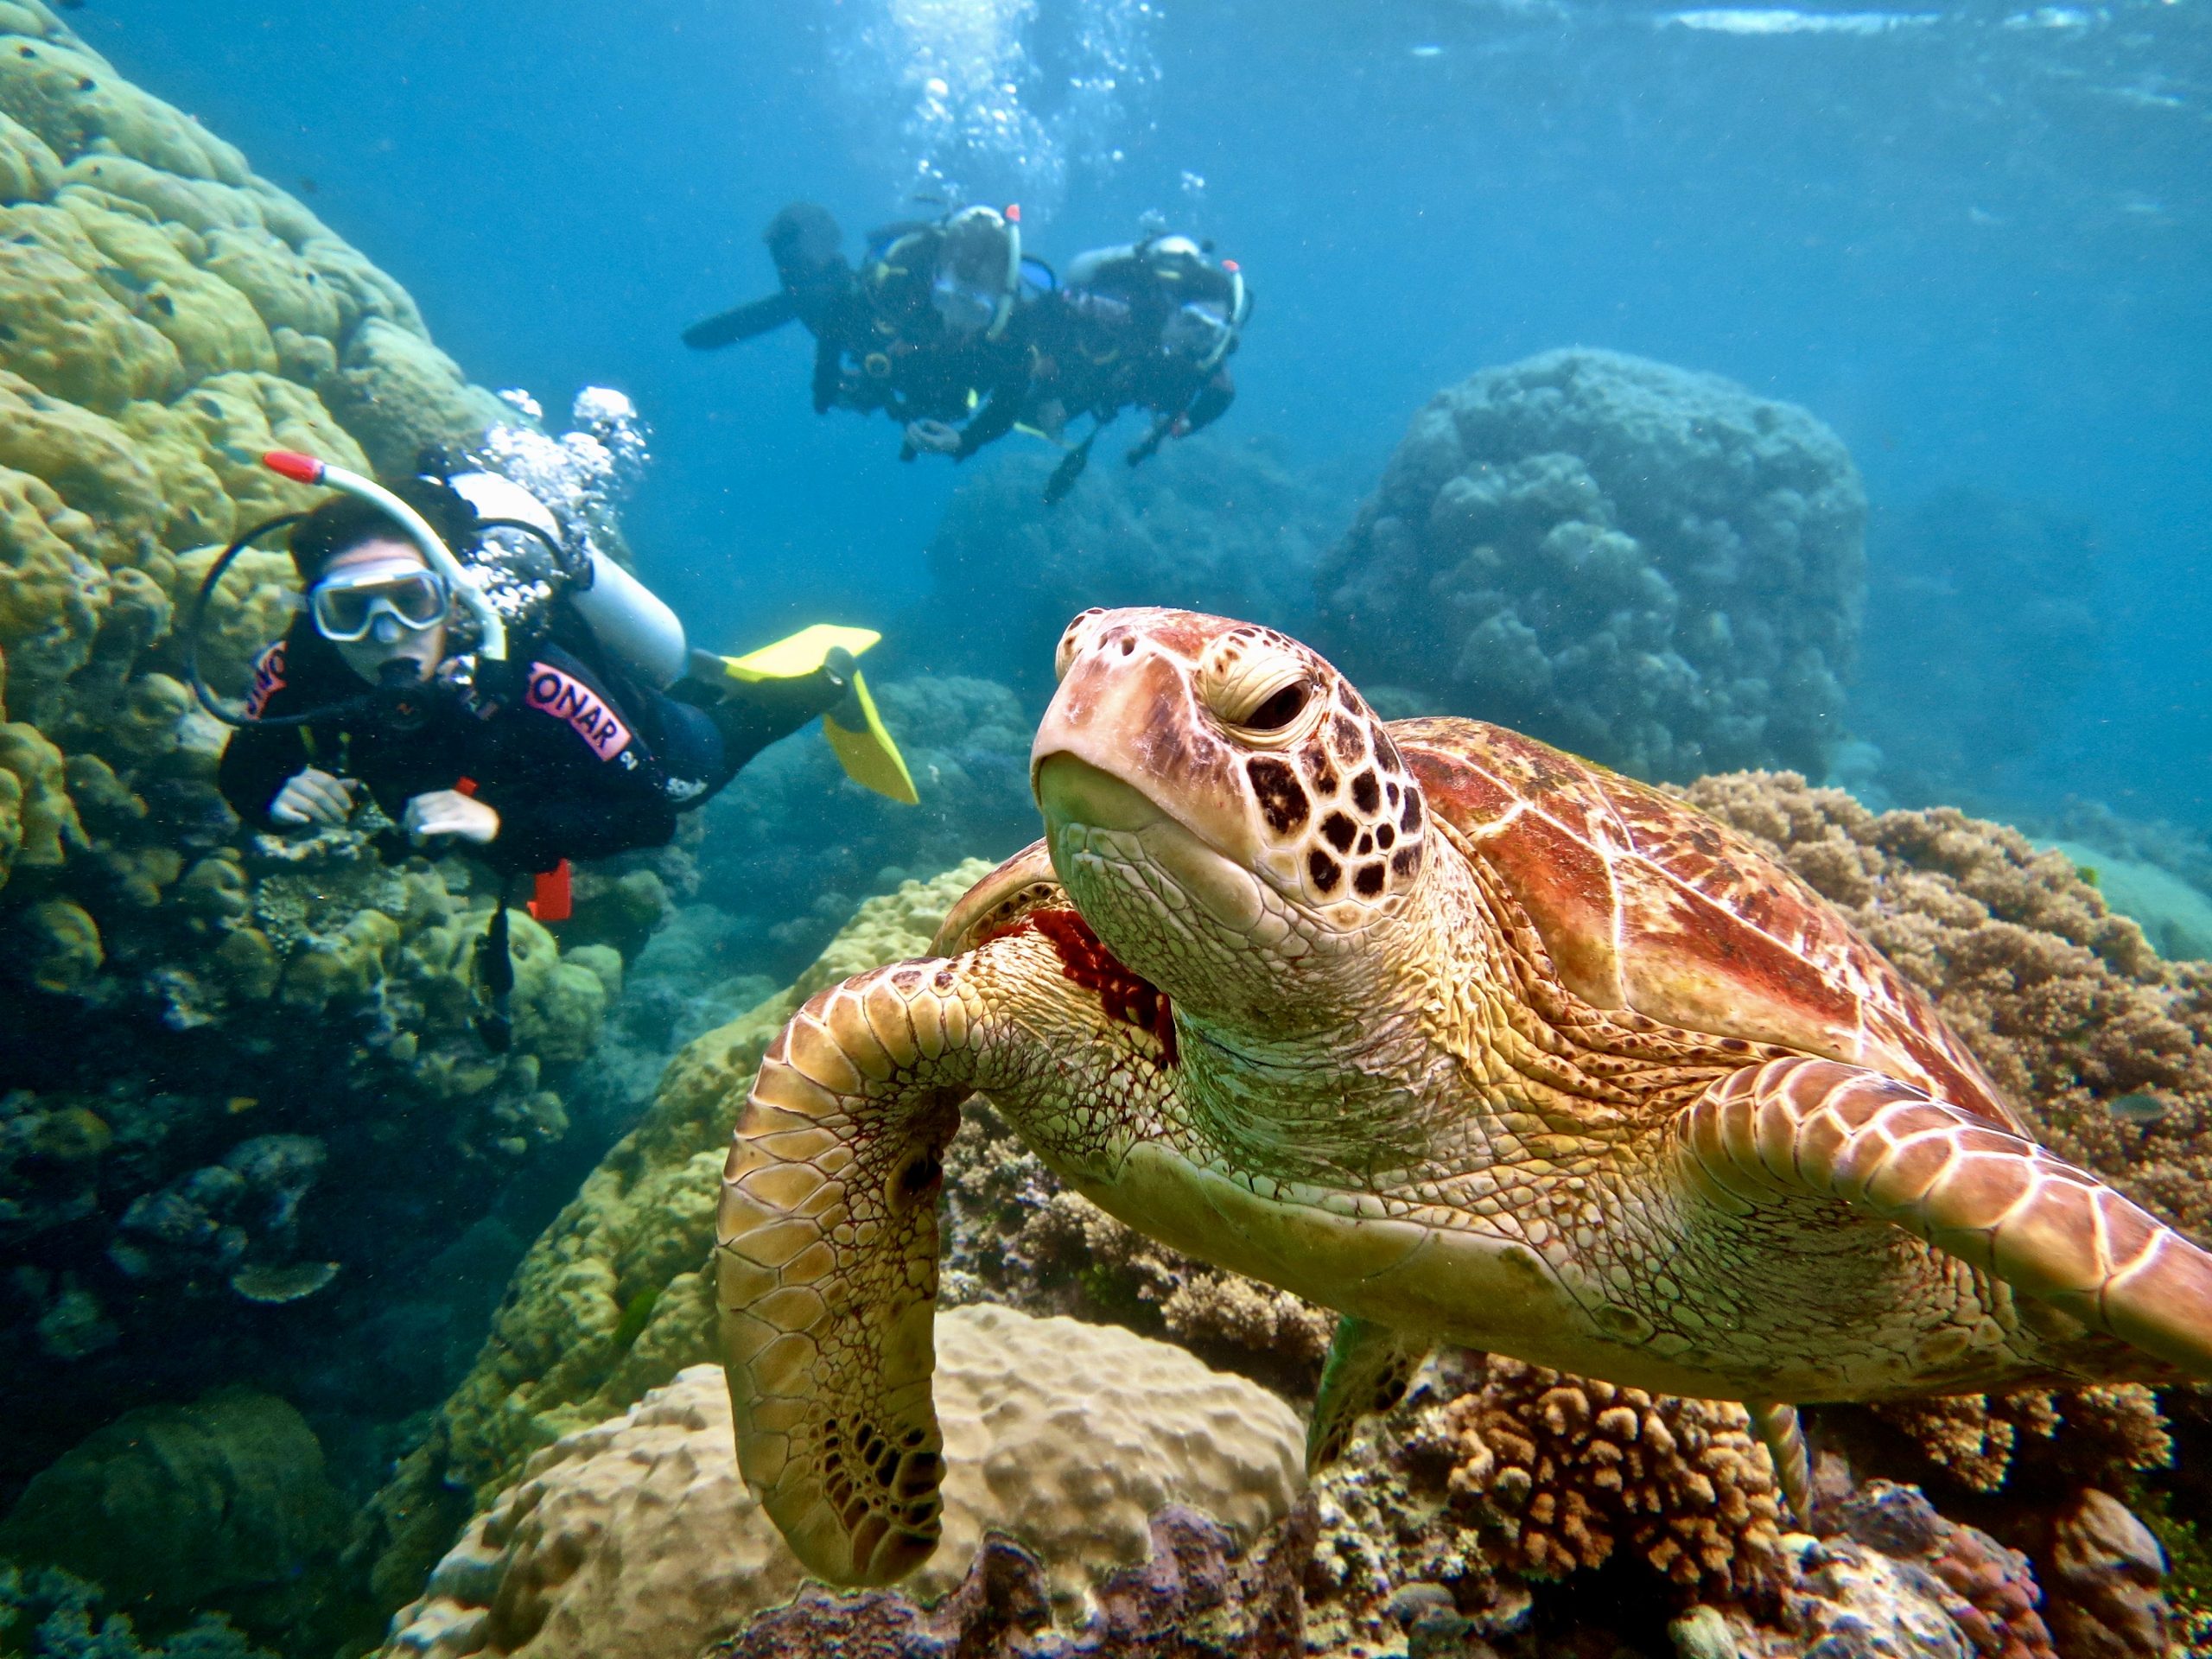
1227,812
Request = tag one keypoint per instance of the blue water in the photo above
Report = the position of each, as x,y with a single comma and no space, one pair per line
1973,239
1975,243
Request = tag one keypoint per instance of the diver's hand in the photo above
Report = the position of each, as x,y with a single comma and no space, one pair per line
313,796
449,812
933,437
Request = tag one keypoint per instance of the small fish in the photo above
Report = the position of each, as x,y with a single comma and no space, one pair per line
2141,1109
238,1103
1427,51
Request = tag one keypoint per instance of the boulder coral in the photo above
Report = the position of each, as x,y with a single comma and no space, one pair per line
1651,566
165,316
637,1536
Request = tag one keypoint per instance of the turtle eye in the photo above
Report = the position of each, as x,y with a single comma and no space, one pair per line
1279,708
1065,654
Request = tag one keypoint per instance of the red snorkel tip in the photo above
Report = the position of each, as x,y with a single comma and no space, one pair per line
1012,214
1231,264
290,463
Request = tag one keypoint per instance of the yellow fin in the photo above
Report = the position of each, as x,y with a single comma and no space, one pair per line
798,654
870,757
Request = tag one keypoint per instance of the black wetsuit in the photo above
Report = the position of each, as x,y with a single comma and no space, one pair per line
1099,351
578,761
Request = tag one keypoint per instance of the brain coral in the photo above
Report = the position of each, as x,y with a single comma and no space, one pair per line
171,987
637,1536
1648,566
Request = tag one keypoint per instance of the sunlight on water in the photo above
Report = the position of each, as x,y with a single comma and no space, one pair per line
996,100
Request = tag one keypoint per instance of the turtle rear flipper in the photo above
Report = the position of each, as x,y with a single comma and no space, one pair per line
1369,1370
1994,1199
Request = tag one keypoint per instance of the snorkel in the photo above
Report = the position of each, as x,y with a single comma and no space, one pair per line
491,627
460,583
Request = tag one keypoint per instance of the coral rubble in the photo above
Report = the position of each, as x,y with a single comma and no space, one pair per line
1650,567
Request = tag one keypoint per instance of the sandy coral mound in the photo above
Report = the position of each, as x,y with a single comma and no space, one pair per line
637,1536
1648,566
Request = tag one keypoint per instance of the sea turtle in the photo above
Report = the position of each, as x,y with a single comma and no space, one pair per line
1463,1037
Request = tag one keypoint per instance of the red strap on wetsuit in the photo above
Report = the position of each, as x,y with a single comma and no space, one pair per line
552,893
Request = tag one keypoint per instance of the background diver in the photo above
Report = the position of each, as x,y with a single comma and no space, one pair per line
1147,325
932,328
582,732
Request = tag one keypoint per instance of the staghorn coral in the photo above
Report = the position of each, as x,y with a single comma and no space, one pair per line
1572,1468
638,1536
1648,566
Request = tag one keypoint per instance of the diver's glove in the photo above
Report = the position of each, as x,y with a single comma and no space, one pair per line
312,796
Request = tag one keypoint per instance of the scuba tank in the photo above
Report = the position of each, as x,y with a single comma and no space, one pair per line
627,619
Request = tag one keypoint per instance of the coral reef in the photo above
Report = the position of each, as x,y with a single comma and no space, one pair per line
638,1536
1011,1234
1650,567
2107,1048
1195,1597
49,1614
612,1300
1571,1467
1218,524
182,998
786,891
174,1509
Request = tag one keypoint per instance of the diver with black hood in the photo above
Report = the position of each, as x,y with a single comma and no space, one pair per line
932,328
579,732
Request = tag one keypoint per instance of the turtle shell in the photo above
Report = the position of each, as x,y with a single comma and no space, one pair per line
1647,904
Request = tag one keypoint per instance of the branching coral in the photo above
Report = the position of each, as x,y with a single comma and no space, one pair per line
1651,566
1573,1468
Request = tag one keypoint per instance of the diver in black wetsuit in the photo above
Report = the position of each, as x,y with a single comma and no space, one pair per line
932,329
1147,325
568,747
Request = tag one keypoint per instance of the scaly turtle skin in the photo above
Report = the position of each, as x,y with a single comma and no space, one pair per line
1467,1038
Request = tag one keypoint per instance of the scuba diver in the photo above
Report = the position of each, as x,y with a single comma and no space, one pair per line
1147,325
931,329
530,733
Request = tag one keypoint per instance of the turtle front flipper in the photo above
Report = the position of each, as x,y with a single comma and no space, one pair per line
1994,1199
826,1268
1369,1370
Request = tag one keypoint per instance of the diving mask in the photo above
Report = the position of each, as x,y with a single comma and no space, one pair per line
964,308
1197,331
383,602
